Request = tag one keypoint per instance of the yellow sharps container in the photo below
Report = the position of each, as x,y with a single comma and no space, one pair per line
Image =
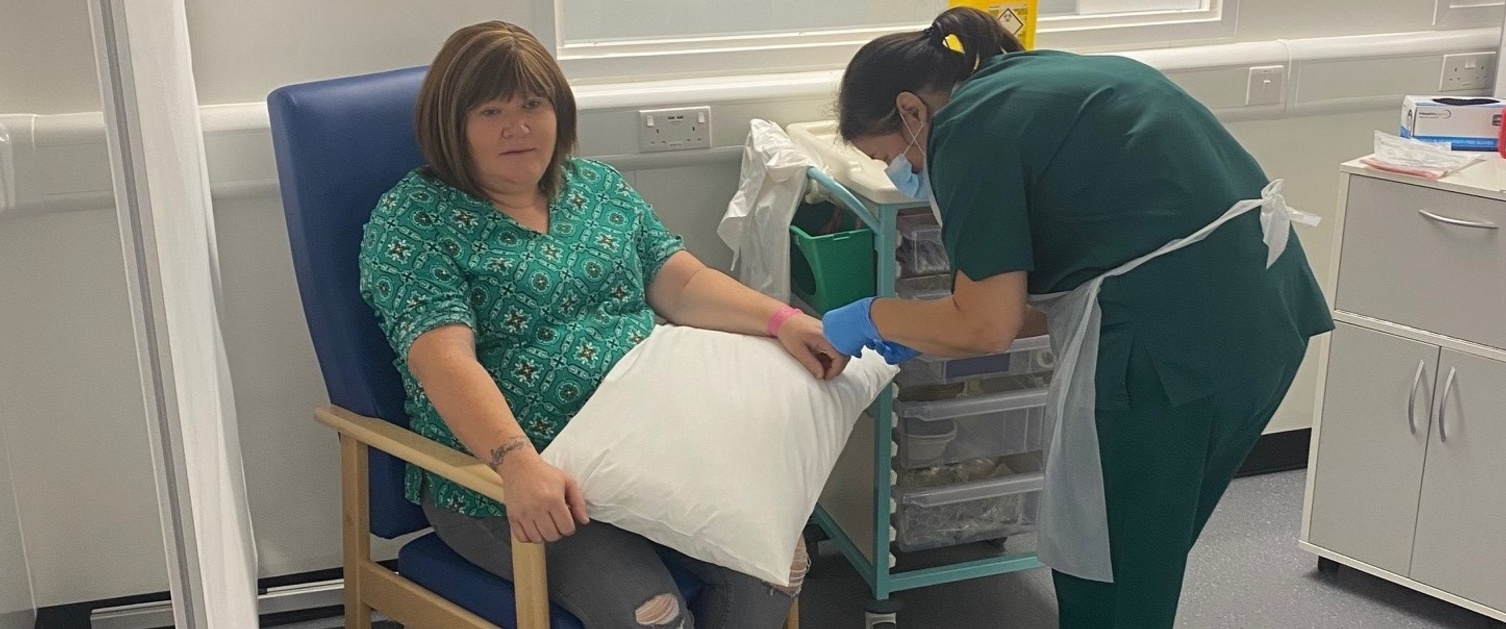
1017,16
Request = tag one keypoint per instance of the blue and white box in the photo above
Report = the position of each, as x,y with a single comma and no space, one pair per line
1467,123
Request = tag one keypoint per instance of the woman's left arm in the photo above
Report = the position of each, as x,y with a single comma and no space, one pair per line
689,293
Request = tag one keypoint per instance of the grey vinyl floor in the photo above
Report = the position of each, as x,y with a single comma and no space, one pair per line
1246,572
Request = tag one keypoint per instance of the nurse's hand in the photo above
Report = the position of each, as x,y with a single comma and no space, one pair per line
894,353
801,336
850,329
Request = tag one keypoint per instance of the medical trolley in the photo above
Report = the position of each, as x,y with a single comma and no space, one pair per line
948,461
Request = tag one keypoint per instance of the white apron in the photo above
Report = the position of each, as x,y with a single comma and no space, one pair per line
1073,524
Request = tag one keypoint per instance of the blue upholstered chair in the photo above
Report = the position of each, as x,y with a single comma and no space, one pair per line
340,144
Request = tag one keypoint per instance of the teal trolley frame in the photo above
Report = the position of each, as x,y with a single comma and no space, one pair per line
882,578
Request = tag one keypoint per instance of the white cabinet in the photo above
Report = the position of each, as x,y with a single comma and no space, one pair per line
1369,464
1461,523
1408,473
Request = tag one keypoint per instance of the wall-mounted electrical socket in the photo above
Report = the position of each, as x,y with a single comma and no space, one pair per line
1267,86
674,129
1468,72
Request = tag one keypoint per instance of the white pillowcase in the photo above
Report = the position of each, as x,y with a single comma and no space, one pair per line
716,445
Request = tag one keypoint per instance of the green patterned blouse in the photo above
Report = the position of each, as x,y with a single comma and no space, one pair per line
552,313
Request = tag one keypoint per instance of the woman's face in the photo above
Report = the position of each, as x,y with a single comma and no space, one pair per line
510,142
909,139
885,148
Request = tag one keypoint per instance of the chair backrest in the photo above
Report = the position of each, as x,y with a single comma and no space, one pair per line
340,144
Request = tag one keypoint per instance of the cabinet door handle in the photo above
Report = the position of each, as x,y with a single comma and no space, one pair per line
1412,399
1459,221
1448,387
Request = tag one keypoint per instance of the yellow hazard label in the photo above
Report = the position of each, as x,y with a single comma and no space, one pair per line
1016,16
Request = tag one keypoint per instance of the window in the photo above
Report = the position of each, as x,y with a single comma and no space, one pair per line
1101,7
588,22
591,22
1467,13
616,39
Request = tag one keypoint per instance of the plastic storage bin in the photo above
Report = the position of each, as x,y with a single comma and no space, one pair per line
831,257
920,250
953,430
924,287
1003,505
1026,356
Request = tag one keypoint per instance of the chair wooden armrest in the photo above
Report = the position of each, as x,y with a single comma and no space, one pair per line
358,432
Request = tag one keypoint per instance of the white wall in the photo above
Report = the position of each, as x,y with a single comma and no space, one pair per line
243,50
16,608
1305,151
71,398
46,58
69,392
79,480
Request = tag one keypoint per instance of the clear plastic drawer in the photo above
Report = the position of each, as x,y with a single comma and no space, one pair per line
1026,356
1001,505
920,249
1009,421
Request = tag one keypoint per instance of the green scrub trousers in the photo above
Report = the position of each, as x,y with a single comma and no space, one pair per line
1165,467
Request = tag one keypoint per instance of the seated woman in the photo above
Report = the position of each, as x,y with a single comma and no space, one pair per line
510,277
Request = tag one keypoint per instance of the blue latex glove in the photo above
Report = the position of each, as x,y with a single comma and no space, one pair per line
894,353
850,328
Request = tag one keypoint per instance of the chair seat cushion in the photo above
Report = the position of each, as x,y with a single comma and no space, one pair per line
431,564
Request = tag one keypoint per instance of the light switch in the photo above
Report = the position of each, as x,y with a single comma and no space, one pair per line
1267,86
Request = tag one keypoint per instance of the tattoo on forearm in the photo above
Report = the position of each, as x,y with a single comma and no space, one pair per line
500,452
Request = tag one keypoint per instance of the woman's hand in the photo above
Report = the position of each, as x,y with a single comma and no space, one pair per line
543,502
801,336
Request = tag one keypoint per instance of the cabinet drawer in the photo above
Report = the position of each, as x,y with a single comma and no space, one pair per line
1400,265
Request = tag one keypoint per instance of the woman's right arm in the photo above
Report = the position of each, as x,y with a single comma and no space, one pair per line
543,502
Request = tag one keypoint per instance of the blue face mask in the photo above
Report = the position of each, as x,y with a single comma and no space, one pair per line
902,174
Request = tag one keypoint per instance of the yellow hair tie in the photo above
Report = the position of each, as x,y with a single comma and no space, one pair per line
953,44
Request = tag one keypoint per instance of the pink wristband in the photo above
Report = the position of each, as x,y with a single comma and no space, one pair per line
777,321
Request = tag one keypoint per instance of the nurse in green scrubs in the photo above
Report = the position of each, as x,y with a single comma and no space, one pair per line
1091,198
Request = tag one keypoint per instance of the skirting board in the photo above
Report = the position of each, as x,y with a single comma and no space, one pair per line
1278,452
282,600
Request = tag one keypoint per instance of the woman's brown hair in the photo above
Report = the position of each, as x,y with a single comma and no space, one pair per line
479,63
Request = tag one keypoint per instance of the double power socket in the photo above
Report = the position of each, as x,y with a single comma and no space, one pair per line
674,129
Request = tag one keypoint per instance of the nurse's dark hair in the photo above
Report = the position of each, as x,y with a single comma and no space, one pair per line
915,62
479,63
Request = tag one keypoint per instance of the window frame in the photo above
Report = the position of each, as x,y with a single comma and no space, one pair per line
722,55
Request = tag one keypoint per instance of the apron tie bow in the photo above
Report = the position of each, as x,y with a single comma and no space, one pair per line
1276,219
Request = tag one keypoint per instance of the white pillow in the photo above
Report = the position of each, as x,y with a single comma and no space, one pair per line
716,445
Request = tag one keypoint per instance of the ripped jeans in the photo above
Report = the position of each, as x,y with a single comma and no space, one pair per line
612,579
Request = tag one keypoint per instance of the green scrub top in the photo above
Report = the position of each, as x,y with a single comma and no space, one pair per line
1067,166
552,313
